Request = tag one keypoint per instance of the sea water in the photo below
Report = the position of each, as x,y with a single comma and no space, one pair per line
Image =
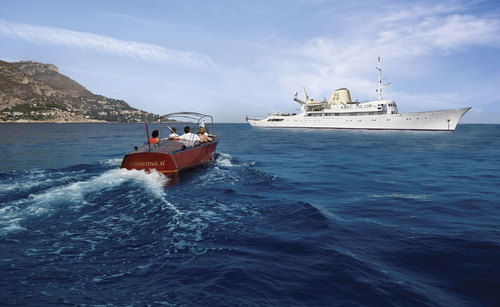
283,217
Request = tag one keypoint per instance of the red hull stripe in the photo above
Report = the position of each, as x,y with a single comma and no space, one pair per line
170,172
388,129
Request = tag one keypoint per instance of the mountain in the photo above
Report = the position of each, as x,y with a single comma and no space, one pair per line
32,91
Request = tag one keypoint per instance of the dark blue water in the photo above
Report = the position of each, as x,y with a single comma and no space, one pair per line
282,218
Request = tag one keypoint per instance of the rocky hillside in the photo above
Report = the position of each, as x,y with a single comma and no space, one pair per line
31,91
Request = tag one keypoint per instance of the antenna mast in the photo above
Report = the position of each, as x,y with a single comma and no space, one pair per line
380,78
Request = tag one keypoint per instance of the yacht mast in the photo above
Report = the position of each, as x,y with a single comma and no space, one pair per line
380,78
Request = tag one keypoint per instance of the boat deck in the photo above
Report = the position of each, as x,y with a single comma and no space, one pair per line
168,146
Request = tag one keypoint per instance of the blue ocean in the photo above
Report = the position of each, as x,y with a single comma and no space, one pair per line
283,217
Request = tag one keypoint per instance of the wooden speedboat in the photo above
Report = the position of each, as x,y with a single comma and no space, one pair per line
170,156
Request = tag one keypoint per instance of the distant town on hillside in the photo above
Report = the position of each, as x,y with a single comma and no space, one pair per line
37,92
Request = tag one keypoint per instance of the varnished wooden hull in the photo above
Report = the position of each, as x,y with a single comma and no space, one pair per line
171,157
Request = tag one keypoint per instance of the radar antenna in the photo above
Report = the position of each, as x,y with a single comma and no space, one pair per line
380,78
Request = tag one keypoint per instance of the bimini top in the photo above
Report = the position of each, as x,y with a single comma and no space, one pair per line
191,117
187,115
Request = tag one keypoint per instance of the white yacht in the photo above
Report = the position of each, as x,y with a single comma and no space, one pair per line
339,112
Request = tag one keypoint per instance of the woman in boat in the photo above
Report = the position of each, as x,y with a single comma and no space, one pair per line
203,135
154,137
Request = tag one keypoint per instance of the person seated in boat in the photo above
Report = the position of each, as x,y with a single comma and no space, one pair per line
174,132
190,139
204,137
154,137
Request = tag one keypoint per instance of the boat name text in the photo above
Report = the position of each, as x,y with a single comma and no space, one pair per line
147,163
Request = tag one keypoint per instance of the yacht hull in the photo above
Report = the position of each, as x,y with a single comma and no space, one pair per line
443,120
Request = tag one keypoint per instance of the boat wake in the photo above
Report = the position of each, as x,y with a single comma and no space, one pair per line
48,191
41,194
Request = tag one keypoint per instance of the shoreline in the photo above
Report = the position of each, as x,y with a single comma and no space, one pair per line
68,122
74,122
57,122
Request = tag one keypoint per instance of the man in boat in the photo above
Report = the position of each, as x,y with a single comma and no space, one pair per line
174,132
154,137
190,139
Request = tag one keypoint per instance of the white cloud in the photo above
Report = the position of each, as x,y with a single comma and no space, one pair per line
439,33
396,32
108,45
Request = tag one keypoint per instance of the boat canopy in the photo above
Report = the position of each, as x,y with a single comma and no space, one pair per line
191,117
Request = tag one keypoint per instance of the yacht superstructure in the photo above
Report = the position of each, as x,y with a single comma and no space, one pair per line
339,112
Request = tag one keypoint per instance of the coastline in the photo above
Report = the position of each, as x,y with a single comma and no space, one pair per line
74,122
56,122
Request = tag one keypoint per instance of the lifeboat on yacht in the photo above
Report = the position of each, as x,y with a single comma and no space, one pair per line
171,156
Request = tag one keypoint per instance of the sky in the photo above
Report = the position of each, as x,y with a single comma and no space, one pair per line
233,58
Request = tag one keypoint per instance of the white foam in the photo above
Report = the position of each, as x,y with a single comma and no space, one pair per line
75,193
402,195
11,187
409,196
112,162
12,225
35,178
224,159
